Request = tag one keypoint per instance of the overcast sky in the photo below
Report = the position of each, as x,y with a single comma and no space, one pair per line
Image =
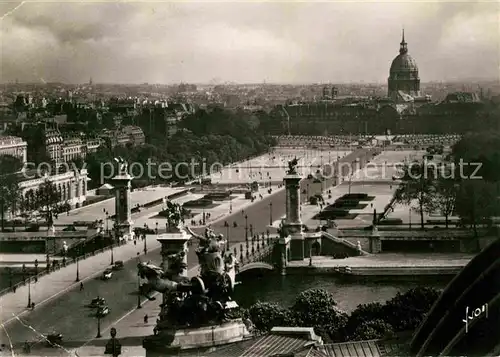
280,42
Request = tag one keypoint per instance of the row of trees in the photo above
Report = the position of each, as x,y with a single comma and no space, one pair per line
219,136
317,308
45,199
466,185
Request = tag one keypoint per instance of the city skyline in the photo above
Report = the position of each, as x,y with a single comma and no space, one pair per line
245,42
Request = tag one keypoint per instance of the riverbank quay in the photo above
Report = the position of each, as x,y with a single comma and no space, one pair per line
383,265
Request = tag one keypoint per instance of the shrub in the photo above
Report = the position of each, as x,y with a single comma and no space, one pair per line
266,315
371,330
406,311
365,313
317,308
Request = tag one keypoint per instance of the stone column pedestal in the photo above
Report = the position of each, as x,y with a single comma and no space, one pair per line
168,340
283,254
375,243
123,214
293,224
173,242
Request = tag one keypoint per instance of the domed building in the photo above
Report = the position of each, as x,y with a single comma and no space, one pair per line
403,82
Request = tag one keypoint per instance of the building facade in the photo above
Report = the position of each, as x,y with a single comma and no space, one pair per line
14,146
71,185
129,134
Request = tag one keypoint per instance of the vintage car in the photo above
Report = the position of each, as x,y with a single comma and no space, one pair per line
107,274
54,339
97,302
102,311
118,265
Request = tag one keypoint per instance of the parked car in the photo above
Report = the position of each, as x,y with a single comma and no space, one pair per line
107,274
97,302
70,228
118,265
54,339
102,311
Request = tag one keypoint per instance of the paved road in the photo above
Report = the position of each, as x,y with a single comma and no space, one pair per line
67,313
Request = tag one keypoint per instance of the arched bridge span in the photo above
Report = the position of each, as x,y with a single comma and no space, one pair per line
255,265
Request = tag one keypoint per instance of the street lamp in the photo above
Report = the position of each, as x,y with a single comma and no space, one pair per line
29,291
138,289
107,221
144,237
270,213
98,324
204,219
36,270
246,227
113,242
77,266
29,285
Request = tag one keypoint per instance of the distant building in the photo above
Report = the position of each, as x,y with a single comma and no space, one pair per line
45,141
129,134
136,135
71,185
14,146
404,81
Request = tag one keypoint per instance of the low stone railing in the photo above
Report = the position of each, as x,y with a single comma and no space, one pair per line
54,267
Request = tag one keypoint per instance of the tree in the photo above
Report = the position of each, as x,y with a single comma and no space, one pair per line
444,198
317,308
406,311
416,185
373,329
9,164
364,313
266,315
9,185
48,199
476,202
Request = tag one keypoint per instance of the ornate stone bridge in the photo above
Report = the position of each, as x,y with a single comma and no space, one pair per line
265,253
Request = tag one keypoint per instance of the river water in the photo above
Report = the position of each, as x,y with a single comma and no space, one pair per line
348,295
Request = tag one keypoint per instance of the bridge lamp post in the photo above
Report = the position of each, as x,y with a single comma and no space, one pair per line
138,286
98,324
246,227
77,265
107,221
270,213
112,243
144,238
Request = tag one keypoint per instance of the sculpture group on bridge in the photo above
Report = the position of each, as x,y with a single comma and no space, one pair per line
122,166
174,214
202,300
292,167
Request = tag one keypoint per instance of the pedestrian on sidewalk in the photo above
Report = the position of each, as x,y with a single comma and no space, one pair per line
146,318
32,306
81,286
